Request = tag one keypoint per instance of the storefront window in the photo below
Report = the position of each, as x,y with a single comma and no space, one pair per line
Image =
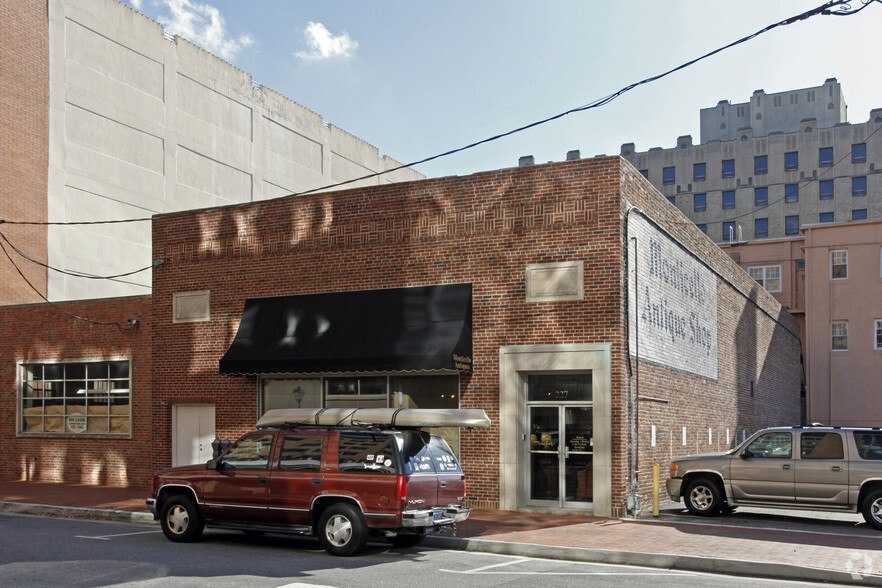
82,398
365,392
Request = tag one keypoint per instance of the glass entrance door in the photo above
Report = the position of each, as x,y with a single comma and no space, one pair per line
561,451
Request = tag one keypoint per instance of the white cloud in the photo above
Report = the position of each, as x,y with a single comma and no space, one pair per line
136,4
203,25
323,45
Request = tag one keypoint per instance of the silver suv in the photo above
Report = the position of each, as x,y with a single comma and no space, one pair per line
810,468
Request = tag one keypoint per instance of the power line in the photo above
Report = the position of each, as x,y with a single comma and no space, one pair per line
67,272
827,9
131,327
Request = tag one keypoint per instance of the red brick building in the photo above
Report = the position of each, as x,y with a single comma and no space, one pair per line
24,153
599,328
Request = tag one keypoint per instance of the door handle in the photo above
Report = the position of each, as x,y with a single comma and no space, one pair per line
444,483
786,466
263,480
836,468
316,482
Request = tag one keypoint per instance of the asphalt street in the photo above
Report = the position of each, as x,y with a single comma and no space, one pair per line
52,551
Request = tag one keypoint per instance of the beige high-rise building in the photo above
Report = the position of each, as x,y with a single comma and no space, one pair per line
767,166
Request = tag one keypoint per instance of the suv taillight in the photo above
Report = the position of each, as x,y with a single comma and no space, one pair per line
401,488
464,487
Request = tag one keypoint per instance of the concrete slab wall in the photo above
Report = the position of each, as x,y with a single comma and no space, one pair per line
143,124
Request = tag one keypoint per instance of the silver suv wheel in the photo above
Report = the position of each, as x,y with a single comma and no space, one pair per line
703,497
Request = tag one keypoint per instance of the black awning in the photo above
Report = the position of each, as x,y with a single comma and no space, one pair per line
398,329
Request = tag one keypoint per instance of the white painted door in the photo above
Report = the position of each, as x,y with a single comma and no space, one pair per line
193,432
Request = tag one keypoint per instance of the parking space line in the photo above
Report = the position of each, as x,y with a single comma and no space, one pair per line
109,537
493,569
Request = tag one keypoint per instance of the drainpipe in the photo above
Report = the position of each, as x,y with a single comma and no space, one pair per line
632,502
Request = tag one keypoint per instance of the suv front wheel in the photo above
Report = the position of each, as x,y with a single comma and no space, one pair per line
703,497
871,508
342,530
181,520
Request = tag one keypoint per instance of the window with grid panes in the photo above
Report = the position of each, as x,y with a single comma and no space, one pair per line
839,264
76,398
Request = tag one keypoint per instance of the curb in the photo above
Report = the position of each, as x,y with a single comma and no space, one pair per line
78,512
689,563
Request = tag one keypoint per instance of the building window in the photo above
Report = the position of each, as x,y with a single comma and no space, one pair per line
729,199
760,196
825,156
859,214
839,264
672,200
729,231
839,331
825,189
761,227
791,161
859,186
878,329
825,217
76,398
699,172
791,193
644,173
761,165
768,276
728,168
859,153
702,227
668,175
359,392
700,203
791,225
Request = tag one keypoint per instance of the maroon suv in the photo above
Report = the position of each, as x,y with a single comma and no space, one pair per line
341,483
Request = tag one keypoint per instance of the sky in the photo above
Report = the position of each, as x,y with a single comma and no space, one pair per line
416,79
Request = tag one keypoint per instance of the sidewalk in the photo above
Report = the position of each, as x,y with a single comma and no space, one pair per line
665,543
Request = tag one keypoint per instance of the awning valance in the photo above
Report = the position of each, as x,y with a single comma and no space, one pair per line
397,329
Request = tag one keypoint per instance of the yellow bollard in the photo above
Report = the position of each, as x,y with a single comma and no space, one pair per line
655,490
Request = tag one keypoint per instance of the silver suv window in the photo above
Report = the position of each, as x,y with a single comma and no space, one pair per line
821,445
869,445
776,444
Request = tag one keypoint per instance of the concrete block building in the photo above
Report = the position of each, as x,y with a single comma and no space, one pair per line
106,118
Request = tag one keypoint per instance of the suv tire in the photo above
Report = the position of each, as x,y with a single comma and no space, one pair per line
703,497
871,508
342,530
181,520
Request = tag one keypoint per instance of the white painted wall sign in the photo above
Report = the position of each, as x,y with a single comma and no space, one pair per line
672,303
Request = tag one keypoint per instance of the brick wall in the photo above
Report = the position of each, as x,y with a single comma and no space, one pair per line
42,333
758,359
482,229
24,149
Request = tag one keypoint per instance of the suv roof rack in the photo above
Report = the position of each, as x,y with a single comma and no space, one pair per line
392,417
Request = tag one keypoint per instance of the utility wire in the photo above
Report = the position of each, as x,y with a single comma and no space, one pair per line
824,9
67,272
130,328
827,9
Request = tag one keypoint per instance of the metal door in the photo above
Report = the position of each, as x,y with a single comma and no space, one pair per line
561,452
193,427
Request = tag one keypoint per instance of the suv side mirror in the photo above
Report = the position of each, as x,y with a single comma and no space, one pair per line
211,464
746,453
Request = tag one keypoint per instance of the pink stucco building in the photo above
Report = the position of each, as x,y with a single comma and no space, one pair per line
831,280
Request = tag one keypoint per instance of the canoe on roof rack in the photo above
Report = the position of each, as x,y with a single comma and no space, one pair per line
394,417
